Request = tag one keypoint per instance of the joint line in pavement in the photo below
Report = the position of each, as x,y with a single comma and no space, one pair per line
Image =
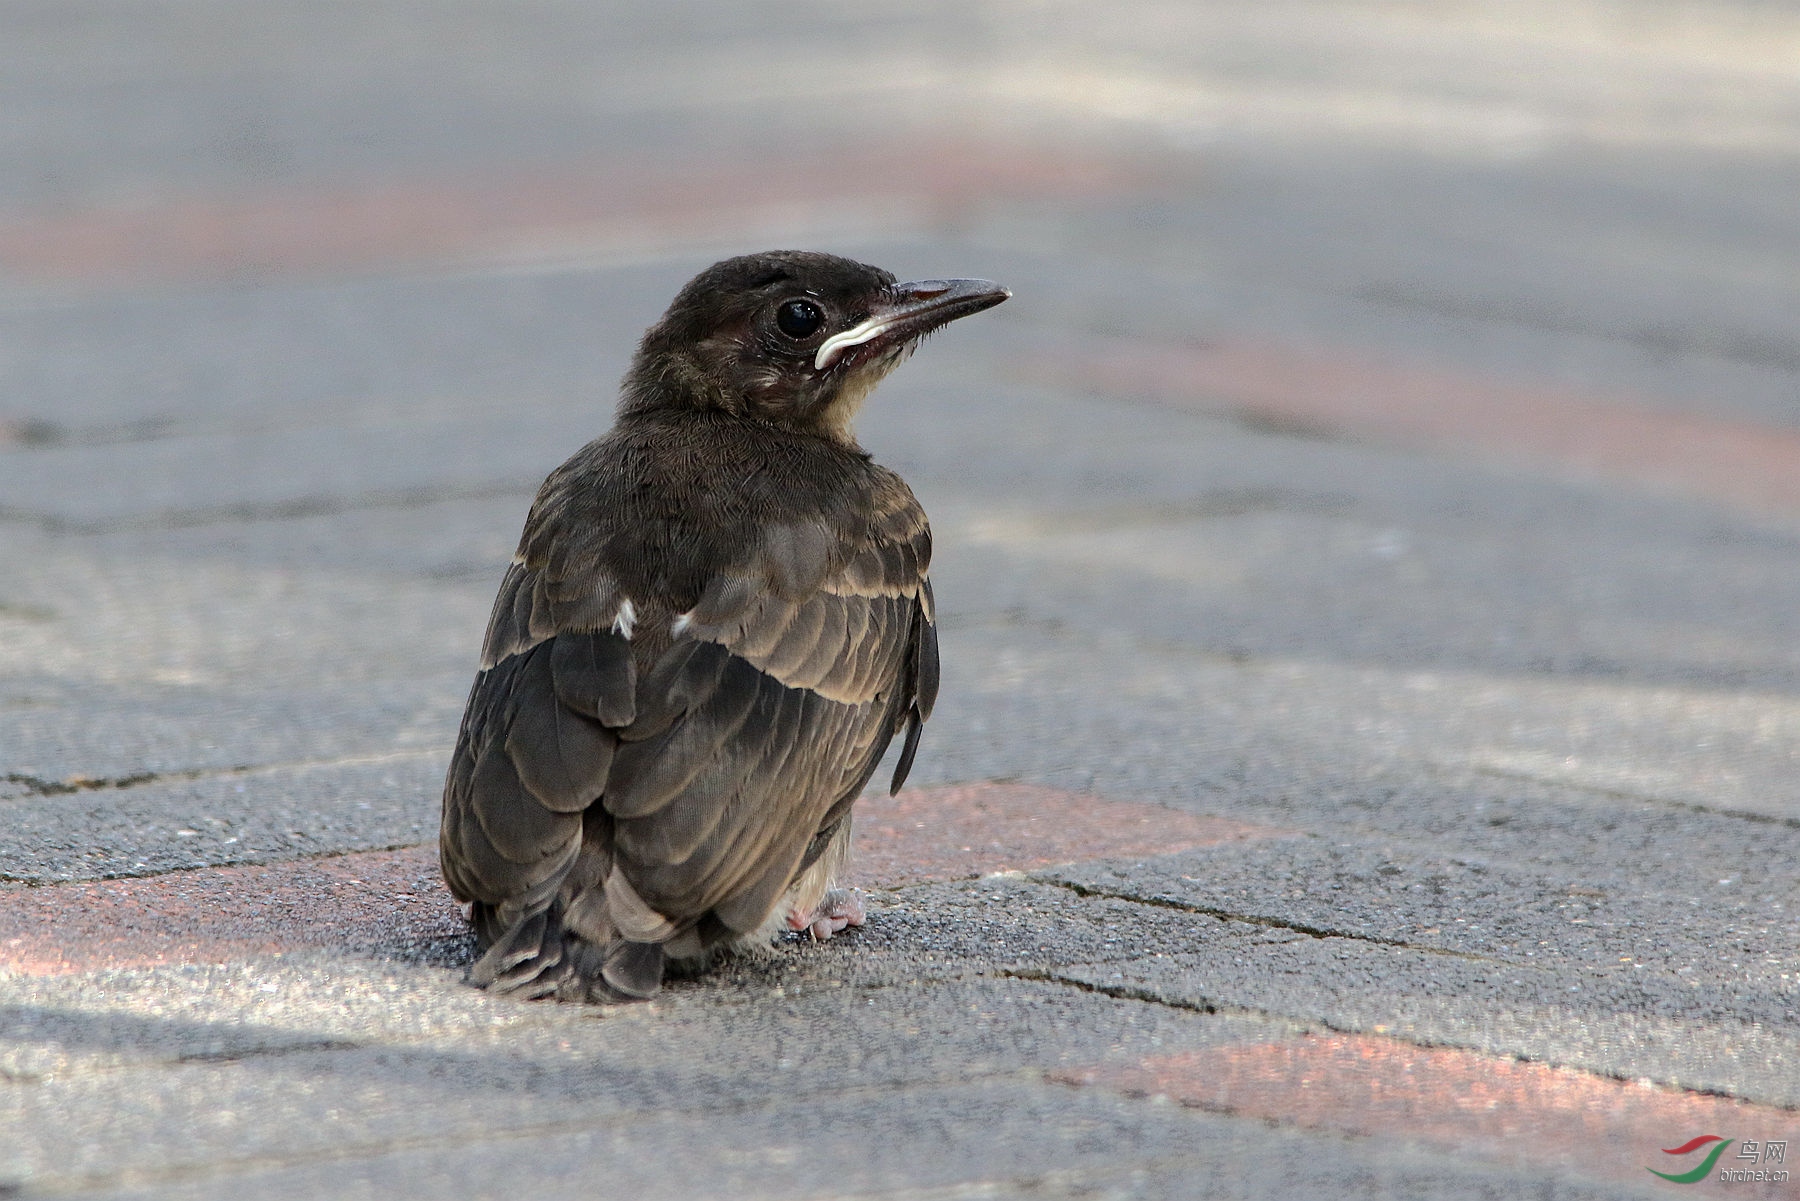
1088,890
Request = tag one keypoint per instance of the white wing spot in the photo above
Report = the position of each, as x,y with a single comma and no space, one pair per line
680,624
625,620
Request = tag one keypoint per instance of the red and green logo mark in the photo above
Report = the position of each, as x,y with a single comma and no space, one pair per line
1688,1148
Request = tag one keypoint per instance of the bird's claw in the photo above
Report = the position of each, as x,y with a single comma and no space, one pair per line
839,908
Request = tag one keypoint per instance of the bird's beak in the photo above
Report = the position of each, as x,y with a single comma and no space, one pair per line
911,311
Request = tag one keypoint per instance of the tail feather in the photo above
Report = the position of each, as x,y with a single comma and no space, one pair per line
528,960
634,969
539,957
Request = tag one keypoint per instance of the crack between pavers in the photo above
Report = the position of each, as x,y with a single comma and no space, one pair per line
37,433
288,510
44,787
1274,923
300,1048
89,1071
1149,996
41,433
39,786
186,1057
244,1055
27,612
270,860
1624,794
1125,992
1088,891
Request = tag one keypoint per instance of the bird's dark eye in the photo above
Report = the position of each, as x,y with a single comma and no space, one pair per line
799,318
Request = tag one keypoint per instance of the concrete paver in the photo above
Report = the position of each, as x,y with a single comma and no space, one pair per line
1350,1084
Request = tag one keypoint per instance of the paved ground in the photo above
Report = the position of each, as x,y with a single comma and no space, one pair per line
1366,765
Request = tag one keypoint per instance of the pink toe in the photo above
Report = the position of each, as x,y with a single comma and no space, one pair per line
841,909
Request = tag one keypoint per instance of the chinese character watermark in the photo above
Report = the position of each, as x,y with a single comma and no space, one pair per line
1754,1156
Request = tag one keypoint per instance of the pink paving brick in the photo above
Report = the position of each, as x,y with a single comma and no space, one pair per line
219,914
975,829
1733,461
360,901
385,223
1485,1105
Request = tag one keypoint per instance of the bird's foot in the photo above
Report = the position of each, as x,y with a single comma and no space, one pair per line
837,909
539,958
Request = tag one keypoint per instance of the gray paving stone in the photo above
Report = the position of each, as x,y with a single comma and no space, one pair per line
1609,1026
293,1073
997,1139
71,1028
107,736
1001,1140
1296,935
364,1075
1732,932
237,817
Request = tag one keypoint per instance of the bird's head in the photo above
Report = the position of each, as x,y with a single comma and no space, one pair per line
794,337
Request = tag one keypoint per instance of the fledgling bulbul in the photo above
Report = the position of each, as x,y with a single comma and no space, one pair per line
717,620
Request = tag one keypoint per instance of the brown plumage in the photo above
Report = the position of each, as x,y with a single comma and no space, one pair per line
717,620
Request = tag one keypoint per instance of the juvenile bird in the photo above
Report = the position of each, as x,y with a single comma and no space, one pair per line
717,620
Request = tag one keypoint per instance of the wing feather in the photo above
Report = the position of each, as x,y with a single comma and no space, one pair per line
595,675
826,680
801,635
706,761
535,749
648,774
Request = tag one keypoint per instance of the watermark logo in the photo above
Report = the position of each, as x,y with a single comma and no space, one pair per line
1750,1152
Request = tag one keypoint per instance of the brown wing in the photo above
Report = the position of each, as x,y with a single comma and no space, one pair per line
762,713
763,722
536,743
